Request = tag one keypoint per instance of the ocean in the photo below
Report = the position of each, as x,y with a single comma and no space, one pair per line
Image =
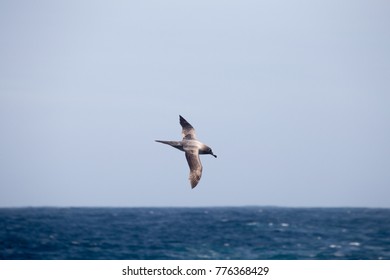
266,233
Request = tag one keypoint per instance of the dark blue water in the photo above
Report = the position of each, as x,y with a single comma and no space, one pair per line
194,233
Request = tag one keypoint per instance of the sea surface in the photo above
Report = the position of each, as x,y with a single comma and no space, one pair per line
195,233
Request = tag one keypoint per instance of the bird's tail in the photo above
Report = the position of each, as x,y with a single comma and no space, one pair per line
175,144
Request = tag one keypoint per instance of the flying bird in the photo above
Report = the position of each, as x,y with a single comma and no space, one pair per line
192,149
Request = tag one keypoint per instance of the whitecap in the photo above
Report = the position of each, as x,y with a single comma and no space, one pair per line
354,244
339,254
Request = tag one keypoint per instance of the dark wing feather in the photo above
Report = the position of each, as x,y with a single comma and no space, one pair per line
188,132
195,165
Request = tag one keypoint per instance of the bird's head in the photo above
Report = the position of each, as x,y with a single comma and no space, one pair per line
210,151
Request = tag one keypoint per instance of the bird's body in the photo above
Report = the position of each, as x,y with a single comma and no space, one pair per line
192,149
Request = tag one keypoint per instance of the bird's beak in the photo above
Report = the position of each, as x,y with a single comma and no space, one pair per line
214,155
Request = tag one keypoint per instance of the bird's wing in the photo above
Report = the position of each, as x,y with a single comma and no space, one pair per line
195,165
188,132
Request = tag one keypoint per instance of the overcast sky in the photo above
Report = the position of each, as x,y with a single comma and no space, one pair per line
293,97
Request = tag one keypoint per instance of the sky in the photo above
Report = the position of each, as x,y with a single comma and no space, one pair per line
293,97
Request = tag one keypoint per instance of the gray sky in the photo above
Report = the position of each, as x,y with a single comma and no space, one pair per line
293,97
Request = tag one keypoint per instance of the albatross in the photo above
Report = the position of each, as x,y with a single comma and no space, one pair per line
192,149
